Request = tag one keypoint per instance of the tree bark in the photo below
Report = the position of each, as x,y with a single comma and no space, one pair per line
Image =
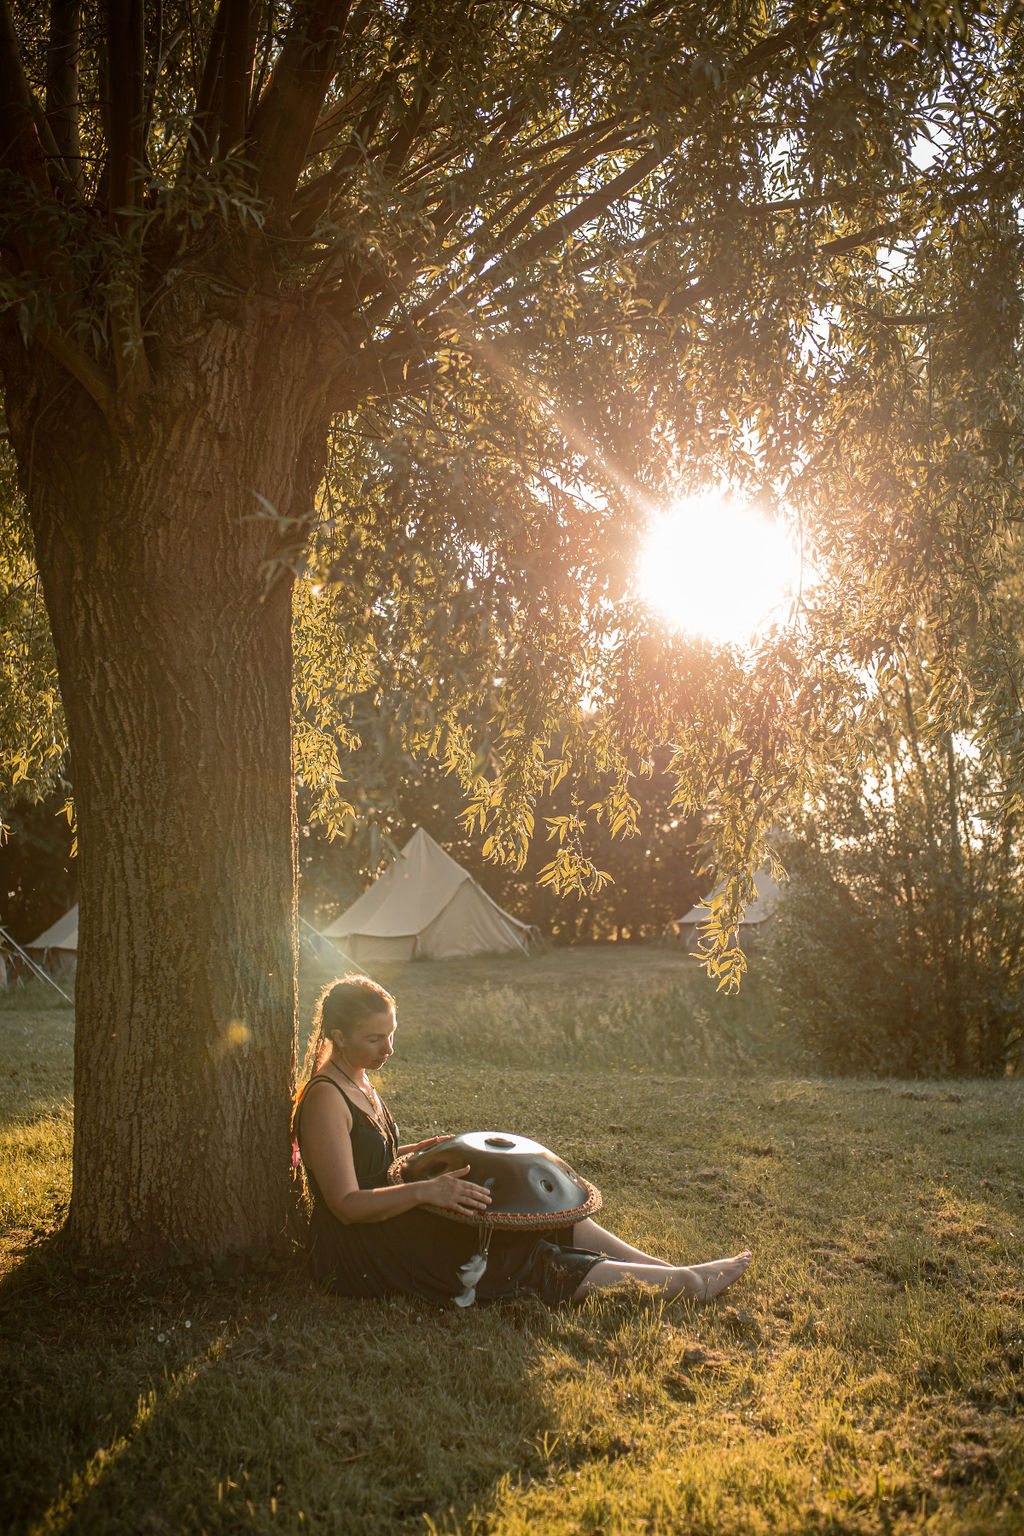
171,617
956,1019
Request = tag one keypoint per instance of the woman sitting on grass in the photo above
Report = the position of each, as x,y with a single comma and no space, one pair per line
370,1238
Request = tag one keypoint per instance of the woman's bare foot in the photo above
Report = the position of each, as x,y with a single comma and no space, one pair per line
712,1279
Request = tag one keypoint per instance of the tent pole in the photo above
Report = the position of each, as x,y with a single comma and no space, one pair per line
352,964
37,970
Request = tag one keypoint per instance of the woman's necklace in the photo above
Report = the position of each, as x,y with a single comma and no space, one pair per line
369,1093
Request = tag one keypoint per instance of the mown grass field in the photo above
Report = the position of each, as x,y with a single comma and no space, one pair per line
864,1377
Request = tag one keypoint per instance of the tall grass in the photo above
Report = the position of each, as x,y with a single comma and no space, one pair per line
865,1377
615,1006
664,1028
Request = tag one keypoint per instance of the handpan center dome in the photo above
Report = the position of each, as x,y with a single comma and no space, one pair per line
529,1185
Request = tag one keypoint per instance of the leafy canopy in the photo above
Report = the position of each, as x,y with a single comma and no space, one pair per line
562,261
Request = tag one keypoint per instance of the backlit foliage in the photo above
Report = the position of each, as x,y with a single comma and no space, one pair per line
563,261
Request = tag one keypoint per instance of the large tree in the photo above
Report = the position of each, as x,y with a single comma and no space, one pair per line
431,303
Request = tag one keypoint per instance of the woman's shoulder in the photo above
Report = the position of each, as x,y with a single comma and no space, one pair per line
314,1093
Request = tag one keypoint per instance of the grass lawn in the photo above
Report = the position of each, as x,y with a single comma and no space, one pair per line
864,1377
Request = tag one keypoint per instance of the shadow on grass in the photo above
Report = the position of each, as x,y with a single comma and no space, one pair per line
143,1403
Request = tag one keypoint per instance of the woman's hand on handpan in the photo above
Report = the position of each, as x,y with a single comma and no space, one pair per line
421,1146
453,1192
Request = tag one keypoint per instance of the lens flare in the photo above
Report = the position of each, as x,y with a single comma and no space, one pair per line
714,567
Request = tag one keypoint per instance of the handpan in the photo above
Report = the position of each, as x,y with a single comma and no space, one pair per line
529,1186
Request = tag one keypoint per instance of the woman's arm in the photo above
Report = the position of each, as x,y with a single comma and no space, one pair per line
327,1152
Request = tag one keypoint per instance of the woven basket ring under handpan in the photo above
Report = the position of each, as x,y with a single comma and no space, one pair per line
529,1186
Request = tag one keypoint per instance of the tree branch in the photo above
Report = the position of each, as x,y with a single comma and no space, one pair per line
707,287
489,271
203,130
577,149
332,122
532,151
590,207
239,59
264,50
283,123
20,148
394,377
570,165
126,113
126,86
93,379
155,60
402,140
315,196
797,34
21,152
62,86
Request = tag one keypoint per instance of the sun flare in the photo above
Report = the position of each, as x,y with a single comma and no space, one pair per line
715,567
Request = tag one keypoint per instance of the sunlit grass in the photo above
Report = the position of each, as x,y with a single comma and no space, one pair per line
865,1377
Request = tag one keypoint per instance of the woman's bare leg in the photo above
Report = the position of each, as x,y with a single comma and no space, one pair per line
589,1234
699,1281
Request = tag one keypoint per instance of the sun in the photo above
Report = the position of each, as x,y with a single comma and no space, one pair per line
715,567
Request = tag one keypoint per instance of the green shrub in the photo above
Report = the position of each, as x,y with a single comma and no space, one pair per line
871,979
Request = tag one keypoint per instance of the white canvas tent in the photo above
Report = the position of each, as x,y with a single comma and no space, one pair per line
58,946
756,921
427,907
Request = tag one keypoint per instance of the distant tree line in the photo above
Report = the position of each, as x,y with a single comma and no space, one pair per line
652,876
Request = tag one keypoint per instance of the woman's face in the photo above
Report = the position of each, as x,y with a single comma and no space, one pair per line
371,1041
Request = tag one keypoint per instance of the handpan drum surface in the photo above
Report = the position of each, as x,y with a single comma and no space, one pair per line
529,1185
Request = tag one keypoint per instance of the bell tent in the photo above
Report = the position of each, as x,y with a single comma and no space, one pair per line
427,907
58,946
755,925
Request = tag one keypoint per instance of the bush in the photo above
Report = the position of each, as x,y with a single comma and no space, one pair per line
870,972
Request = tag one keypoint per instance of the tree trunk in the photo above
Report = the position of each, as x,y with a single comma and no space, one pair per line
172,623
956,1025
